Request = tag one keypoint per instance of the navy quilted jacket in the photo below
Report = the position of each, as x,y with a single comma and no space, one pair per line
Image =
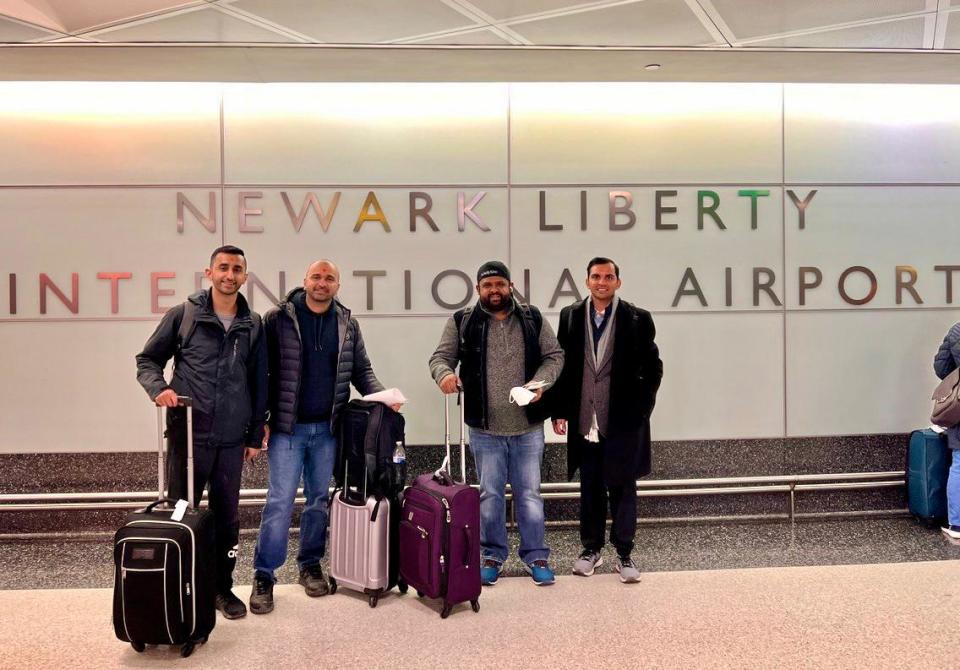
283,350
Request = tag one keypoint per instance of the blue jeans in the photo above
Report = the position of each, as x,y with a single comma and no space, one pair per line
513,459
953,490
310,451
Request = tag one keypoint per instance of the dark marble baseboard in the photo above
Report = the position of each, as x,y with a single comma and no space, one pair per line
137,471
64,563
52,473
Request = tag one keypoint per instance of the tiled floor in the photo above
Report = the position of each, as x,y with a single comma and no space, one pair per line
857,616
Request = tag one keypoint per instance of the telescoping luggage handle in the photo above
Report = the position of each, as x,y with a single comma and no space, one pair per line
161,424
447,464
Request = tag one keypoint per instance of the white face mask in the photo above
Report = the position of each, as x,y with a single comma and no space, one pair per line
521,396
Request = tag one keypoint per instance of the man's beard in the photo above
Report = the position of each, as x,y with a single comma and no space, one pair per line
503,306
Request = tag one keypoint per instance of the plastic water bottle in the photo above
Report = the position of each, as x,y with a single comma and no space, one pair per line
399,454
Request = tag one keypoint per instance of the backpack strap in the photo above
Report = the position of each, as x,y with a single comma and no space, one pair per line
188,324
532,316
462,318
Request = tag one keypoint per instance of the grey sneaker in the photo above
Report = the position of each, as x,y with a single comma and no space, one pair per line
629,573
261,595
313,581
587,563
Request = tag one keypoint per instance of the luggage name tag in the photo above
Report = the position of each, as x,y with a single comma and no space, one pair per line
179,509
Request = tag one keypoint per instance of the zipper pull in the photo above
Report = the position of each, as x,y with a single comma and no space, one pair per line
188,588
442,564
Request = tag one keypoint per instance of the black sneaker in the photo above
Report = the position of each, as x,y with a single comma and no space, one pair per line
313,581
261,595
230,606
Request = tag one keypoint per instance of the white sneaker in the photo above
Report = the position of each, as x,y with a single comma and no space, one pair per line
953,532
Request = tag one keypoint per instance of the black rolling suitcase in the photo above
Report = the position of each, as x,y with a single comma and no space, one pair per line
164,581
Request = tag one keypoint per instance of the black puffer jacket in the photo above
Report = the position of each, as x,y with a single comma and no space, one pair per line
283,347
222,371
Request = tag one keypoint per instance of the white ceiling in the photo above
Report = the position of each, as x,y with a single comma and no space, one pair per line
843,24
915,27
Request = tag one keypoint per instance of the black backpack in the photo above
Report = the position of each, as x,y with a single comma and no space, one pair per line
368,435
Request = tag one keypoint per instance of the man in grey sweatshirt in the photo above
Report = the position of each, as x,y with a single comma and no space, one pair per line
500,344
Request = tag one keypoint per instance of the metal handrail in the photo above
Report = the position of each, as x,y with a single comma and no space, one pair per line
655,488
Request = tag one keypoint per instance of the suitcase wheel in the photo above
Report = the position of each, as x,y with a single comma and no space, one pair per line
445,612
475,604
402,587
187,648
373,600
138,647
333,585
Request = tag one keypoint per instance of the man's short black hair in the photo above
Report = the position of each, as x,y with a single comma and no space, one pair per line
228,249
602,260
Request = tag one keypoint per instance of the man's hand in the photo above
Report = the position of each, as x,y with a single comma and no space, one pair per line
537,395
250,453
167,398
560,426
450,384
266,436
396,407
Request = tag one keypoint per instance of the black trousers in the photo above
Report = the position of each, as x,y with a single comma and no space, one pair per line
218,470
594,495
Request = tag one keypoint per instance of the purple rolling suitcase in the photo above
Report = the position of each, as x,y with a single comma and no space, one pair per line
440,533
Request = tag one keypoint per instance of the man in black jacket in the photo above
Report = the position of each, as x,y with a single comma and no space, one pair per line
499,344
315,352
604,399
221,363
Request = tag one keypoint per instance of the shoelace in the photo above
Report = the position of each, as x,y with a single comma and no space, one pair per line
588,556
626,563
262,586
315,571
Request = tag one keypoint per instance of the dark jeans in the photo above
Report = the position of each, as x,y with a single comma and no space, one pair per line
593,505
219,469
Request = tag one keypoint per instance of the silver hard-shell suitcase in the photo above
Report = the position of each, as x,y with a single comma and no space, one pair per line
360,540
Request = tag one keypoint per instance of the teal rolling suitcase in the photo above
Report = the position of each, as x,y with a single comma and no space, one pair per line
928,464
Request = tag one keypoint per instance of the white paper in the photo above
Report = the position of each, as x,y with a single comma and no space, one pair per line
521,396
179,509
937,429
391,396
533,386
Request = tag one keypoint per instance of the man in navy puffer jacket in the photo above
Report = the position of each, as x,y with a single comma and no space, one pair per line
315,352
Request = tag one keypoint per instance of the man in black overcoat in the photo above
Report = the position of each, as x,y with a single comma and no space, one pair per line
603,401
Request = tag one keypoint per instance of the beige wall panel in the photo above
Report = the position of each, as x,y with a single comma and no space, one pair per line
653,262
399,349
842,133
869,372
723,376
81,391
879,229
366,134
424,252
89,231
645,133
109,133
